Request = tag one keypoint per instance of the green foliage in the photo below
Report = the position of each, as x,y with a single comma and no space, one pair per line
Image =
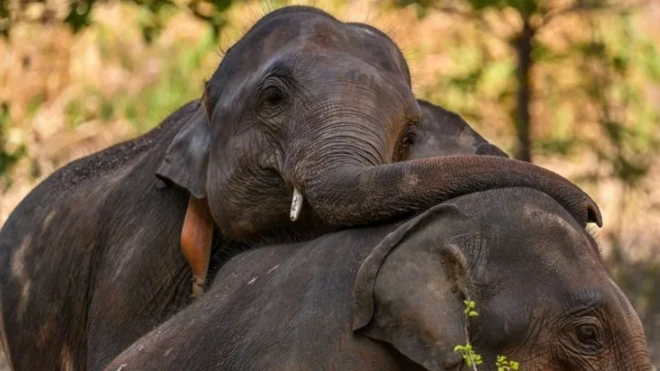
587,90
7,158
79,14
152,18
166,95
4,18
506,365
150,105
470,356
469,308
33,104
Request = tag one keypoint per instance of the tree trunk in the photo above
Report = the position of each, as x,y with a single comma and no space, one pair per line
523,47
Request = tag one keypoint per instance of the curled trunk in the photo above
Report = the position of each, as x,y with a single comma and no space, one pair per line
351,195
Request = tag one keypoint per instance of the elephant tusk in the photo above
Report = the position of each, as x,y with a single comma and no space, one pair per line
296,204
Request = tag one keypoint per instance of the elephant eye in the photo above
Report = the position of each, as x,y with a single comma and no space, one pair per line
407,140
589,336
272,96
409,136
586,333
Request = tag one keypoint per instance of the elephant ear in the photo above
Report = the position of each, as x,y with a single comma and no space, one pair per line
186,159
409,291
441,133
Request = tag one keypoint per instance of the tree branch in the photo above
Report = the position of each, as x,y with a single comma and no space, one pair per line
471,16
583,6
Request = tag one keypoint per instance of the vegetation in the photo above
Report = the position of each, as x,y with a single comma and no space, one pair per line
470,356
77,14
600,63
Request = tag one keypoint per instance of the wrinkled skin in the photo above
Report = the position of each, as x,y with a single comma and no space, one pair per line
445,133
391,298
90,260
304,101
80,284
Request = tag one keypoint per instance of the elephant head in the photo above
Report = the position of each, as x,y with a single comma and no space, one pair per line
542,293
323,110
444,133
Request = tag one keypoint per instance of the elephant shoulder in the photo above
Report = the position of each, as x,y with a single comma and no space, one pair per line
73,195
304,290
119,156
92,174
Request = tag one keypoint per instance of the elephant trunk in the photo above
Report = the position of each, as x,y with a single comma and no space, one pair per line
353,195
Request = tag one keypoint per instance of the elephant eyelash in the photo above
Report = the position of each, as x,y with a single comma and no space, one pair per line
274,81
409,134
405,141
279,75
272,96
273,84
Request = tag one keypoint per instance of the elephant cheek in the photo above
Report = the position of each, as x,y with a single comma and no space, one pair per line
248,204
219,199
233,222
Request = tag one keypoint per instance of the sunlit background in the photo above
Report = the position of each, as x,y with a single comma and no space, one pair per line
572,85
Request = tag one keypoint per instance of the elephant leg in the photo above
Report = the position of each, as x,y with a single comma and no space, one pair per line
196,238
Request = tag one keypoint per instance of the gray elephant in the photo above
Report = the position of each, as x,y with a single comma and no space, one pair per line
303,129
79,302
391,297
309,106
91,259
444,133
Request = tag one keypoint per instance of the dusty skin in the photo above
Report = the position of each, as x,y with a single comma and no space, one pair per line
390,298
111,268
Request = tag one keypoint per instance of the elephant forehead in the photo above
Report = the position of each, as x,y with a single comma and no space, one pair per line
557,241
536,213
544,247
556,225
311,31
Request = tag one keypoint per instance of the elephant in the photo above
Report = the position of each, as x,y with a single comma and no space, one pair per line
391,297
100,240
444,133
309,106
77,302
305,127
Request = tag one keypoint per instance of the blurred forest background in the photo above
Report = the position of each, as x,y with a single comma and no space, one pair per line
572,85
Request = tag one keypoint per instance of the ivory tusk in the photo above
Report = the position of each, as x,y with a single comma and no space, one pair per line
296,204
